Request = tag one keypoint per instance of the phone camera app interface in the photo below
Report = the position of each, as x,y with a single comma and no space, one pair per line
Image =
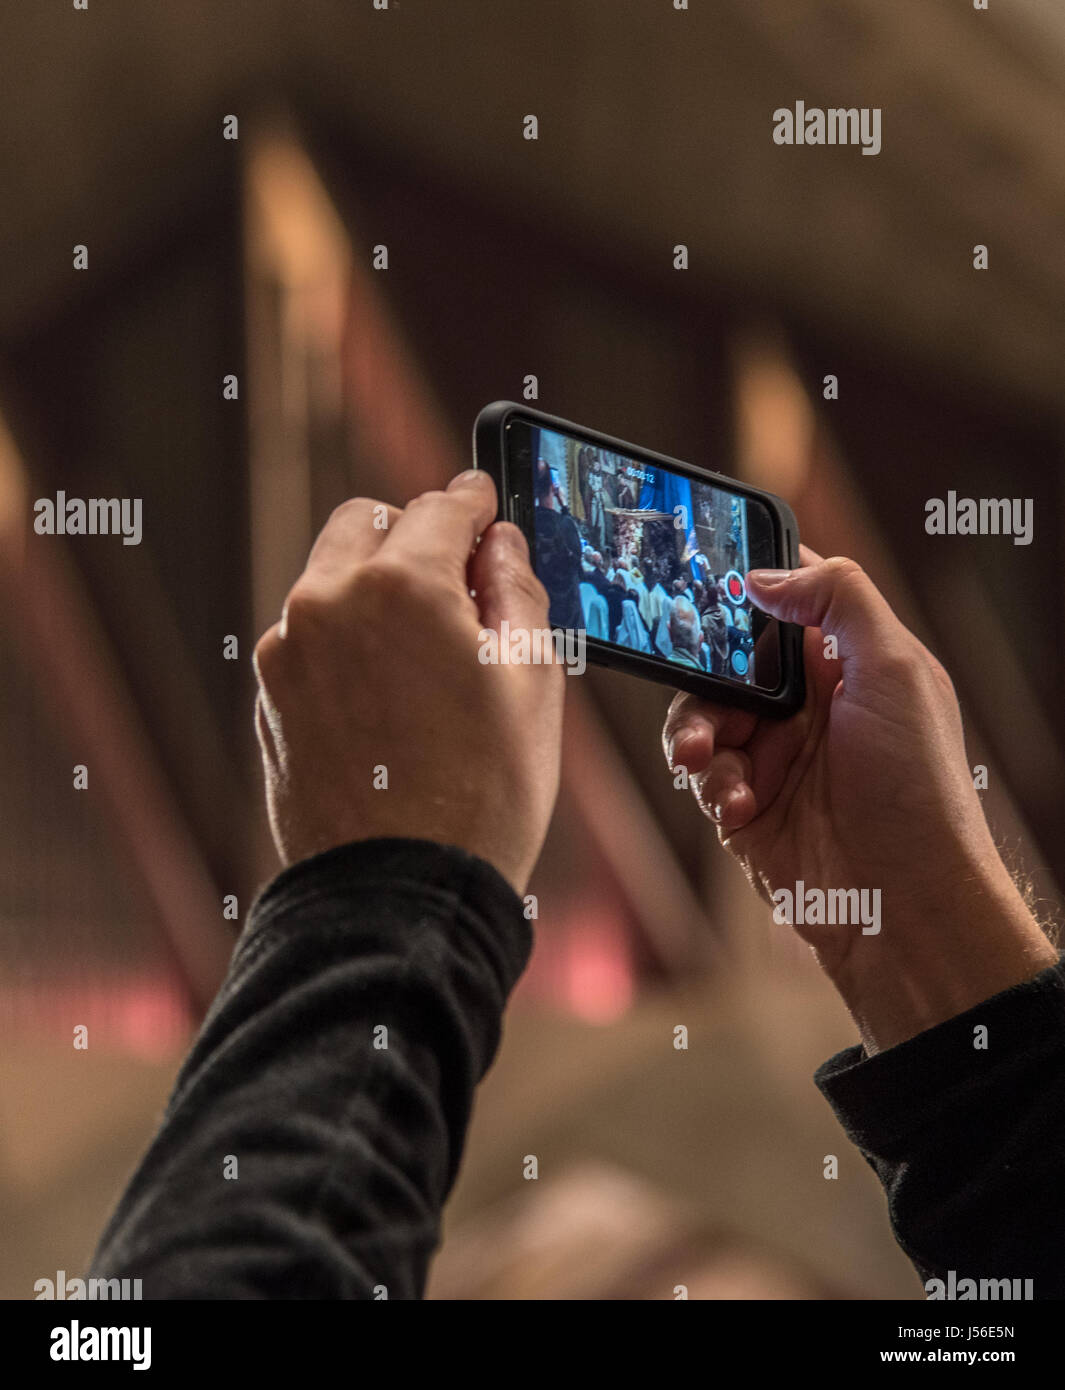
651,560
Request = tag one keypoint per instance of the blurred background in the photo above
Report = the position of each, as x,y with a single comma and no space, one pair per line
253,258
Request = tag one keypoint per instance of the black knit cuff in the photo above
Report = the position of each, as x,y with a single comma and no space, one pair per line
344,878
881,1098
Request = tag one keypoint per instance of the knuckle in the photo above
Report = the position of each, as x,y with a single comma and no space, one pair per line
353,507
353,516
305,613
434,495
381,587
850,591
844,570
902,663
267,653
940,675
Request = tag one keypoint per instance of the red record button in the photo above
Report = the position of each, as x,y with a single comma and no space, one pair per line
735,587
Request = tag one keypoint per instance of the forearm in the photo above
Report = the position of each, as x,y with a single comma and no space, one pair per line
337,1067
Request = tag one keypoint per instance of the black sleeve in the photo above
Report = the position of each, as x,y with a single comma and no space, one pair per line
347,1138
969,1139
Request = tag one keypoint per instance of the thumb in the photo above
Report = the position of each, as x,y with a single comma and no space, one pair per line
838,597
504,583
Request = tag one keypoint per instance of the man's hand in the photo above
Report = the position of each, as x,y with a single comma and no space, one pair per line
374,666
866,787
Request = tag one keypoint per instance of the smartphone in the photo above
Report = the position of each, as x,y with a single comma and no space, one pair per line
648,557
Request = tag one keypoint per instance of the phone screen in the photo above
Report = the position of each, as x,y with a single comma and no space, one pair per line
649,559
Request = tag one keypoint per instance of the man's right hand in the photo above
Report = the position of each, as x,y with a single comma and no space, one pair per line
867,787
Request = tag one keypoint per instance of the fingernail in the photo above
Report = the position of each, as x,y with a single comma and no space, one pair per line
471,475
724,801
767,578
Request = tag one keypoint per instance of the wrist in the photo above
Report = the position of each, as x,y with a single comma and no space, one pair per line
939,957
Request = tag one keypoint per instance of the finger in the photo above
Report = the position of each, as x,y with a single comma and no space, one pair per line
773,749
693,729
820,670
503,581
838,597
725,792
354,532
437,530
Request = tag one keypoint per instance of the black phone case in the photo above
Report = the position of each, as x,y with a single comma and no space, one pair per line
489,450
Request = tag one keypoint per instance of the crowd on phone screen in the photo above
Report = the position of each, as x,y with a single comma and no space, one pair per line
652,601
